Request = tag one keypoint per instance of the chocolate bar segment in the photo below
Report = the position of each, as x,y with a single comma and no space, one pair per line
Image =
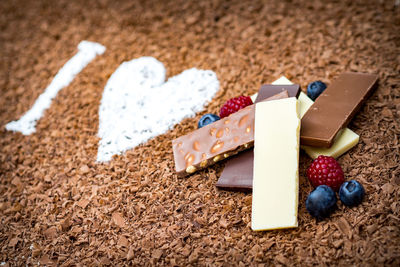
216,141
268,90
335,107
238,173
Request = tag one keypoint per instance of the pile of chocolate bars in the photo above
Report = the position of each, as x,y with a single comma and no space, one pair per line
282,119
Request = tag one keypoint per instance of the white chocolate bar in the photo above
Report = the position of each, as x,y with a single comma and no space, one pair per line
276,162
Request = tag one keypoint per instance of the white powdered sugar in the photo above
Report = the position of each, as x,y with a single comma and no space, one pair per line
137,105
87,51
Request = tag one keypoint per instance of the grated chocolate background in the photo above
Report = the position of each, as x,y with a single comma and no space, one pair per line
58,207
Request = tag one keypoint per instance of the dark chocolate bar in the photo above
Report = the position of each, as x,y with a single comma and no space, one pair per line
268,90
238,173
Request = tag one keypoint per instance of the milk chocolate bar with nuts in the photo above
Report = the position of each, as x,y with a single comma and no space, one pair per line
216,141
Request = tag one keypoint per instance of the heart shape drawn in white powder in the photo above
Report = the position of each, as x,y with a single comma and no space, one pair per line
138,104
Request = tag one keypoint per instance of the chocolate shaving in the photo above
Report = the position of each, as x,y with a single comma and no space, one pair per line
118,219
344,227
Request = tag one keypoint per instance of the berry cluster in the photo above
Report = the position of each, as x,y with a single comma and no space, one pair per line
327,176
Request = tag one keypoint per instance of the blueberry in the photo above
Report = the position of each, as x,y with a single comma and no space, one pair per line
314,89
321,202
351,193
207,119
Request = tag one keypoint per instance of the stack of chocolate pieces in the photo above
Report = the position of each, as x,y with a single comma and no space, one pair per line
323,130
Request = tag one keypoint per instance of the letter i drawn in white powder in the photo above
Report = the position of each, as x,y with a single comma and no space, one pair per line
87,51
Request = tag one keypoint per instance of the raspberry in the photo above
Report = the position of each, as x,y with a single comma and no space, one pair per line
325,170
234,104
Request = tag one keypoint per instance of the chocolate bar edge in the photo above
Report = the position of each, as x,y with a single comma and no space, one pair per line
208,162
238,188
